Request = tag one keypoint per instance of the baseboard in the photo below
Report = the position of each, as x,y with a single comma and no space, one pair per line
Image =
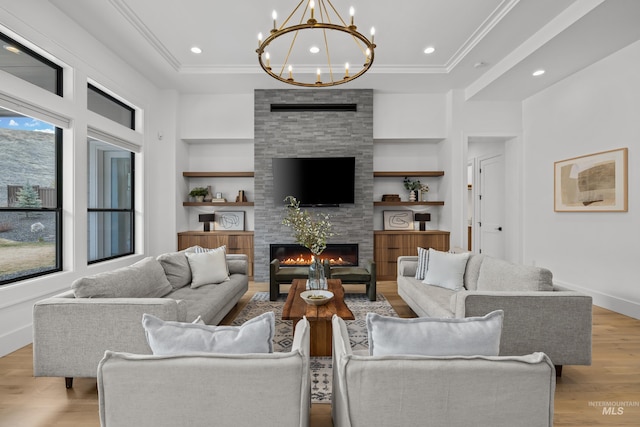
15,339
610,302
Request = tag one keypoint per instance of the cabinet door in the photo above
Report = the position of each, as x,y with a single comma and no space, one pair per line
387,249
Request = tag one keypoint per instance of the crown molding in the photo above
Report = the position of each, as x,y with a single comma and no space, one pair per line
146,33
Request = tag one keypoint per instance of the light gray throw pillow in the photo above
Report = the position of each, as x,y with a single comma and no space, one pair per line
176,268
426,336
169,338
144,279
208,267
446,270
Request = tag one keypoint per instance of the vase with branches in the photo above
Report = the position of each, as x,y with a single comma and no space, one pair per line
312,232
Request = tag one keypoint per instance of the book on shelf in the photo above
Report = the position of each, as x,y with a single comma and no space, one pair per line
218,200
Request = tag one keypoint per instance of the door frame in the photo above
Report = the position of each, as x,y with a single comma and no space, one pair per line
514,197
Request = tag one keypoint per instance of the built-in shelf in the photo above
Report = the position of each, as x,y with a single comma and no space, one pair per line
217,203
227,174
218,174
408,203
402,174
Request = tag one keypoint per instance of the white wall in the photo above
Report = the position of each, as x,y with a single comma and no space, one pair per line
467,119
84,59
595,110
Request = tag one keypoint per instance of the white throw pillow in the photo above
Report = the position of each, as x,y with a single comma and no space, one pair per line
446,270
427,336
168,338
423,259
208,267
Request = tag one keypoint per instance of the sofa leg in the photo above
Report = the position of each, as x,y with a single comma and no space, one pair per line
68,382
558,370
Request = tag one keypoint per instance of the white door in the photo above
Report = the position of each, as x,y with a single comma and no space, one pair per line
490,221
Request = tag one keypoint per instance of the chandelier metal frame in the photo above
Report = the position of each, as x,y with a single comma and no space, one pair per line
366,45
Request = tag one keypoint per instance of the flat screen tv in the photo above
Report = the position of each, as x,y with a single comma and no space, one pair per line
314,181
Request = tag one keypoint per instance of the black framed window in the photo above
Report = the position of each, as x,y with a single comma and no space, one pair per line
30,197
111,201
108,106
22,62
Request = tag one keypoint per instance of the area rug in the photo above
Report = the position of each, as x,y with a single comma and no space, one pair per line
321,373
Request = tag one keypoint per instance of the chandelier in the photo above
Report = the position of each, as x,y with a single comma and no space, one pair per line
300,54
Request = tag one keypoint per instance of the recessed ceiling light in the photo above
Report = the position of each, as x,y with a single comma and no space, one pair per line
196,49
538,73
314,49
429,50
11,48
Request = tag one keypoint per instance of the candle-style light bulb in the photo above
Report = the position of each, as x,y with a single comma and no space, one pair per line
352,12
274,15
259,39
368,54
346,69
268,58
312,6
373,33
318,74
290,72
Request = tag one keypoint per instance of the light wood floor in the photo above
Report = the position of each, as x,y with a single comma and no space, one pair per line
614,377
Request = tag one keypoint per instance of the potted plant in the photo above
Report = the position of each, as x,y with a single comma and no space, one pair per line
412,186
198,193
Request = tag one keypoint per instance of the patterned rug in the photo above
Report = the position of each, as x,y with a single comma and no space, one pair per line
321,374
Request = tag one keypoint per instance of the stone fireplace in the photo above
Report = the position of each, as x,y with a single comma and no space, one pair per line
300,132
292,255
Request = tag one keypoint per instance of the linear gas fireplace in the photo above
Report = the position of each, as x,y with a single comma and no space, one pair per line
292,255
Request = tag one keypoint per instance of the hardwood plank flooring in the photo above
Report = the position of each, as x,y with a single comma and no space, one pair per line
584,394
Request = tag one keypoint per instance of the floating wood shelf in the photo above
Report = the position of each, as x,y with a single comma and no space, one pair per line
402,174
408,203
218,174
217,204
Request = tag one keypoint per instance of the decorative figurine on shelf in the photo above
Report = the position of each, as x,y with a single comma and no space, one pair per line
241,197
424,189
198,193
413,187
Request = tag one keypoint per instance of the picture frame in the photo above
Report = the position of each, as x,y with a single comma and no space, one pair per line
398,220
229,221
592,183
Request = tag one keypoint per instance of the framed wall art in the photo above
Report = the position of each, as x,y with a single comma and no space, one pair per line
229,221
592,183
398,220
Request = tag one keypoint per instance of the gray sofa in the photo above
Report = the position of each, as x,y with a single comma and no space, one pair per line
538,315
72,330
452,391
240,390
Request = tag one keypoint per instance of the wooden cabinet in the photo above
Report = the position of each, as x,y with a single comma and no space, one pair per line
237,242
389,245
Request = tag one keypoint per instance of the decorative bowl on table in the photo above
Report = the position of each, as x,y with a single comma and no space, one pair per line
318,297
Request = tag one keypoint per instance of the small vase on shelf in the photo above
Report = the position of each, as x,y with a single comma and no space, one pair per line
412,196
209,195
